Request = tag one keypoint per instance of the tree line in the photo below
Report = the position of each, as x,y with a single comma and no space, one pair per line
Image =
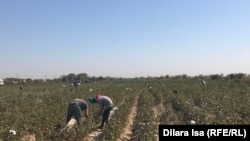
83,77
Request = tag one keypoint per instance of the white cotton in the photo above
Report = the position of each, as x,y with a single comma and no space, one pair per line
192,122
12,132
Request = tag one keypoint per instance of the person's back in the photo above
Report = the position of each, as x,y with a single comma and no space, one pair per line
105,102
74,109
82,103
106,105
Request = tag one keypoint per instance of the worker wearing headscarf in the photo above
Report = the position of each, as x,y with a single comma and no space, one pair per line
105,104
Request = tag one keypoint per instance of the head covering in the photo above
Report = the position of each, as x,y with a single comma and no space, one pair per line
92,99
98,95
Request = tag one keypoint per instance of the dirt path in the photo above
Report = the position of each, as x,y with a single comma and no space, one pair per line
127,134
95,133
158,111
127,131
29,138
92,135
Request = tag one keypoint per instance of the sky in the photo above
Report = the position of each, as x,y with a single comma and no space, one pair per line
123,38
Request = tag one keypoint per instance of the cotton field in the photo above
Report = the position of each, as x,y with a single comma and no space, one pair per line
38,112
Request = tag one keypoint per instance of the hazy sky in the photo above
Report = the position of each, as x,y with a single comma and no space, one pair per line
123,38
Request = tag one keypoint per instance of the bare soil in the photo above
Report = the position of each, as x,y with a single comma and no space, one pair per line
31,137
127,133
158,111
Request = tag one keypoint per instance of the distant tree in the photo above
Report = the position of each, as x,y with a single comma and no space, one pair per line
184,76
81,76
71,76
215,76
100,78
236,76
64,78
167,76
179,77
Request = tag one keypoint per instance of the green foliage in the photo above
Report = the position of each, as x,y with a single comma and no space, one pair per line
40,108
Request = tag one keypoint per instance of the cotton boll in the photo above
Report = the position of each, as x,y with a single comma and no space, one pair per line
12,132
192,122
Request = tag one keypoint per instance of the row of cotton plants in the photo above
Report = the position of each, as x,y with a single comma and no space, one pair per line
219,102
146,125
40,109
127,94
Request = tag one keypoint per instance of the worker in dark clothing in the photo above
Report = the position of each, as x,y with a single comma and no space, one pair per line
75,108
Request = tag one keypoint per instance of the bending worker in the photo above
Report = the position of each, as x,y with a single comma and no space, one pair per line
105,104
75,108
